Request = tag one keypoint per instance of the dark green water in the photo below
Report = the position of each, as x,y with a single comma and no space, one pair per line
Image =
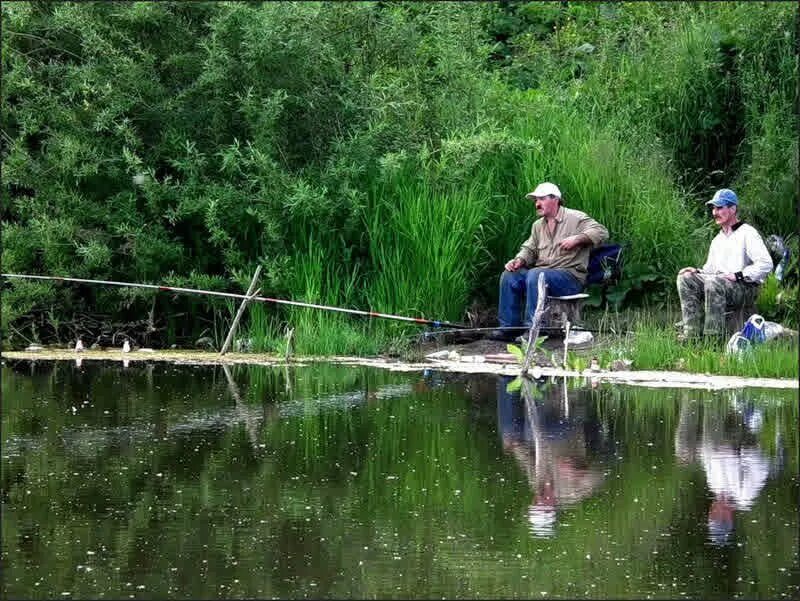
160,481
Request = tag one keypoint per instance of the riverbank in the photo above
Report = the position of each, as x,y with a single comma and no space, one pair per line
497,363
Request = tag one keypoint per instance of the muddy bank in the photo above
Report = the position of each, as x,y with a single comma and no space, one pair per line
491,361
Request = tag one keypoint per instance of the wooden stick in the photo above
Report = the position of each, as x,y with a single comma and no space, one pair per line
533,334
289,339
566,341
250,294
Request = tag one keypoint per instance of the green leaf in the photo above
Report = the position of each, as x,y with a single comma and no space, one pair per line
516,351
514,385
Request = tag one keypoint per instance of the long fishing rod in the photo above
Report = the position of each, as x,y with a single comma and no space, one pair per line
466,330
512,329
263,299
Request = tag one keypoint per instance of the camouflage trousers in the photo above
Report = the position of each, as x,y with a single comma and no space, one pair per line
705,298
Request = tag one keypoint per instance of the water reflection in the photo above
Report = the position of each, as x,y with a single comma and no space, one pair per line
724,440
249,418
200,482
556,441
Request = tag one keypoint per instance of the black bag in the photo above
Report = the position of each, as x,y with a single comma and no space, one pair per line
605,264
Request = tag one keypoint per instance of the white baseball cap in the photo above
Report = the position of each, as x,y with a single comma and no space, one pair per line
545,189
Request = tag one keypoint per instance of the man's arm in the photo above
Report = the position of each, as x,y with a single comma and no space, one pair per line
757,252
575,241
589,233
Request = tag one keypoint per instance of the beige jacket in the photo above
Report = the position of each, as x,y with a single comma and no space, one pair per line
541,249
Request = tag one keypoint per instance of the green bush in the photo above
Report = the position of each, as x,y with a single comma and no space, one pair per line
177,142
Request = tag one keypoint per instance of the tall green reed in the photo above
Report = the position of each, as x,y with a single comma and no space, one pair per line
424,245
262,328
315,279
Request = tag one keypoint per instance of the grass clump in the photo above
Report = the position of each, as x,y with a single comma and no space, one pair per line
316,280
424,245
654,346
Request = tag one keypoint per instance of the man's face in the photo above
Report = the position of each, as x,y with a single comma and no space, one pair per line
546,206
724,216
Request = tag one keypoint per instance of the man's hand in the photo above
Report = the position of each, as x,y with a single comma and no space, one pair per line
515,264
573,242
731,277
688,270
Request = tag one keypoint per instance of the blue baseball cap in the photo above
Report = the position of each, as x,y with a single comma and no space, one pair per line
724,198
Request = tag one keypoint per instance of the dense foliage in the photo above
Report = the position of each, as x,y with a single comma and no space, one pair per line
371,155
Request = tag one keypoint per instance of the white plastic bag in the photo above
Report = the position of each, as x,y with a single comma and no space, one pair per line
579,337
755,331
737,344
772,330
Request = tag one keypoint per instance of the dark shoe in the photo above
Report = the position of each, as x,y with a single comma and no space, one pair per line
501,335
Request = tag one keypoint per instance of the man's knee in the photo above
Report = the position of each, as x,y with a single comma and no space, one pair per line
532,277
508,279
688,281
512,282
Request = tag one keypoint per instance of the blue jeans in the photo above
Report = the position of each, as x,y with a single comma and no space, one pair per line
524,282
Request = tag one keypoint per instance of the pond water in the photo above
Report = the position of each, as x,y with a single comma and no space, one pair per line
165,481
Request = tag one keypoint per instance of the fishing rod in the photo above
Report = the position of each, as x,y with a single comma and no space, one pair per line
469,330
263,299
510,329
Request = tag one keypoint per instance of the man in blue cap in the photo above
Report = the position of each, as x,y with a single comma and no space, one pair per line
738,262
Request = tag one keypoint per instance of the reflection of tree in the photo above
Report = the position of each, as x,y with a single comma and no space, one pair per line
338,479
724,440
554,440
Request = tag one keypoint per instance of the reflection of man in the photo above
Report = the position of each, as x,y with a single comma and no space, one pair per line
725,444
552,448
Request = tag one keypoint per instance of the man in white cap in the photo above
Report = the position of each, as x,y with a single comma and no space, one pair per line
558,247
738,262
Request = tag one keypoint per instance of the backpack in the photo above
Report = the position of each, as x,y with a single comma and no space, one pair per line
605,264
780,254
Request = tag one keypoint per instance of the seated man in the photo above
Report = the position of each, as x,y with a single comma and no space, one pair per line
738,262
558,247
